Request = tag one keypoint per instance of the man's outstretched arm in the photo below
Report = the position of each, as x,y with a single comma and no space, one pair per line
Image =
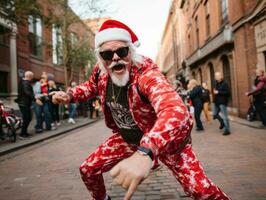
81,92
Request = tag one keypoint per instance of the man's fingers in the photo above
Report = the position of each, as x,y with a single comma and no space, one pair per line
132,188
52,93
115,171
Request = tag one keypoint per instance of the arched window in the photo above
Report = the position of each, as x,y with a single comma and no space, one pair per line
226,70
200,76
211,70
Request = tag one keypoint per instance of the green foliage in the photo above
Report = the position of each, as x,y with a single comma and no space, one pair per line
17,11
81,55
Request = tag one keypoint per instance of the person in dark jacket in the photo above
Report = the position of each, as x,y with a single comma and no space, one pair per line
24,100
259,95
221,97
54,108
195,95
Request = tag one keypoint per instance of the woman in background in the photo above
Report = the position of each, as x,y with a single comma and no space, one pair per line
195,95
206,101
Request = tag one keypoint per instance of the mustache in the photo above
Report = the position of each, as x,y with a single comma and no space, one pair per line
120,62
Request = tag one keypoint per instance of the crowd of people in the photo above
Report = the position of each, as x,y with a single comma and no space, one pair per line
35,95
198,97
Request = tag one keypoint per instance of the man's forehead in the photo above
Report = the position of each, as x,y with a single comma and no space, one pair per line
113,44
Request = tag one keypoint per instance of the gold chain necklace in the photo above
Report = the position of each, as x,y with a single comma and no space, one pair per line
114,98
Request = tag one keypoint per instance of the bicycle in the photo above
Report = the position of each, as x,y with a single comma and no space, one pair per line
10,123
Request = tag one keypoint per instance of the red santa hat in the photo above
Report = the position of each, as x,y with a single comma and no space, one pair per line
115,30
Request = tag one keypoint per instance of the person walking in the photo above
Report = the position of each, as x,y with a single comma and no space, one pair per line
142,131
259,95
206,101
195,95
54,108
221,97
24,101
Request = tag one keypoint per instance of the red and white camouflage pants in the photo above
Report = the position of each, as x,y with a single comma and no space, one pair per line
184,165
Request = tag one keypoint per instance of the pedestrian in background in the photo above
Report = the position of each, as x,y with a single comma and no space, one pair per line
46,108
72,107
24,100
221,97
206,101
54,108
195,95
259,95
181,91
37,107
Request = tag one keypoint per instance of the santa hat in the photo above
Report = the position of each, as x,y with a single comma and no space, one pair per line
115,30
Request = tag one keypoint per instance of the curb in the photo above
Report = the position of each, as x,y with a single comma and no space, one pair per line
7,149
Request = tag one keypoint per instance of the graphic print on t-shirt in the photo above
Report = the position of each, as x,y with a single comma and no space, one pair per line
122,116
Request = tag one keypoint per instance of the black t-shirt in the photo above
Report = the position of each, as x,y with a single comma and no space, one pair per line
121,113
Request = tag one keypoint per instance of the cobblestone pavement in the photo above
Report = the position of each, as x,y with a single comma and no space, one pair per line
49,170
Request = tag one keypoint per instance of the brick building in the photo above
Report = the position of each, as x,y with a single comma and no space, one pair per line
226,36
34,47
95,24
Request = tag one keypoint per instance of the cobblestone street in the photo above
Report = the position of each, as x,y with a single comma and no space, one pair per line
49,170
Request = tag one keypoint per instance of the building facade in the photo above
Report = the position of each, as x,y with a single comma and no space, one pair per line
34,46
225,36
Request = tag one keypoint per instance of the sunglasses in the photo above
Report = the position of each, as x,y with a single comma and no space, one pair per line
108,55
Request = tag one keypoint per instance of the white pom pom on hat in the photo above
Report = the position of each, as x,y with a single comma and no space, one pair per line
115,30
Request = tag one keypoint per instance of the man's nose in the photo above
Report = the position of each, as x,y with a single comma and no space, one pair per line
116,57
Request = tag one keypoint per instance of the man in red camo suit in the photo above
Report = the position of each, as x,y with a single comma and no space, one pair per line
148,120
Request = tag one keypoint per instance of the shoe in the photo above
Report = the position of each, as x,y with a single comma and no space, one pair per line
221,126
53,128
226,133
71,121
199,129
58,124
27,135
22,137
38,131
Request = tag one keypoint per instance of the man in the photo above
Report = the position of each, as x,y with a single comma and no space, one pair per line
259,94
24,100
221,98
148,119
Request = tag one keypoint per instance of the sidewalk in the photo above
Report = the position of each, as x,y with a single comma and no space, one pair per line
8,147
253,124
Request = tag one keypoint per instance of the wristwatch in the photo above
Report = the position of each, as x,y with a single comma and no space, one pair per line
146,152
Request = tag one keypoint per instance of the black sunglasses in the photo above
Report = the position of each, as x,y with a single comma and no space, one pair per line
108,55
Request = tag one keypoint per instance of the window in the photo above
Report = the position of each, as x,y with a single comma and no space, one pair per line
35,36
4,33
57,45
73,39
189,43
207,16
3,83
197,30
224,11
264,53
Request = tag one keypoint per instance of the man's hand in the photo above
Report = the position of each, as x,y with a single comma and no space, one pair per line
60,97
38,102
215,91
130,172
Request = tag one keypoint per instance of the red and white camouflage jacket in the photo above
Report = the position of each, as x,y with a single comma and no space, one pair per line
165,120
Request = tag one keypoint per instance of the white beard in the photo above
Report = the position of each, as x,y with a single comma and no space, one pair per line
122,80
